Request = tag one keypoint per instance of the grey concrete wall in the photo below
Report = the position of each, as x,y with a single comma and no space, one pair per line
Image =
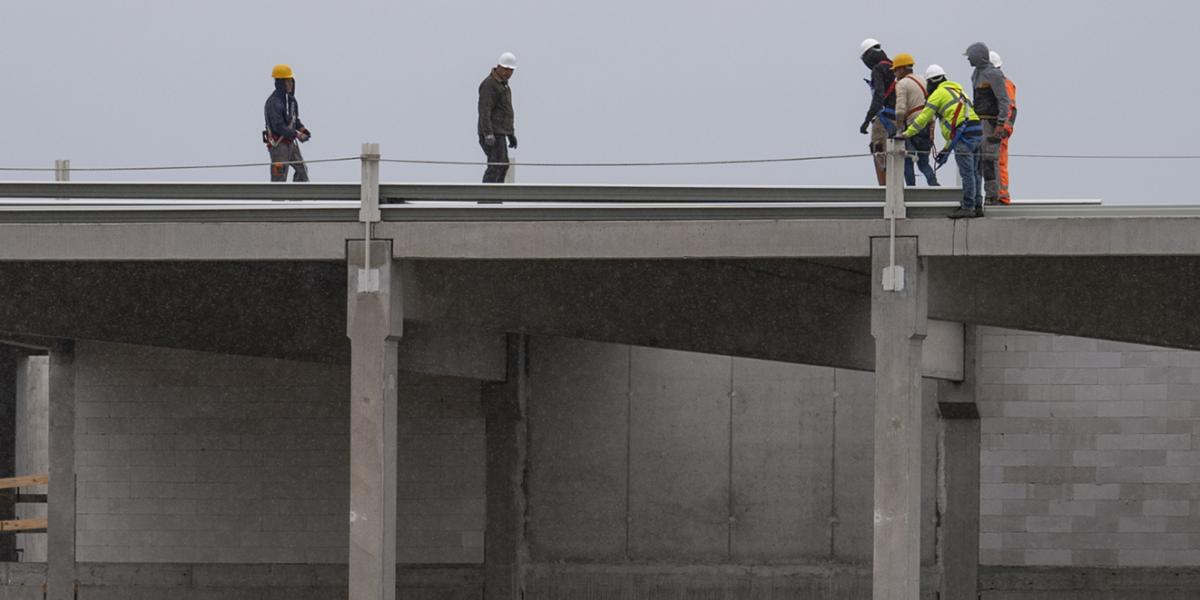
195,457
654,456
1091,455
31,451
208,581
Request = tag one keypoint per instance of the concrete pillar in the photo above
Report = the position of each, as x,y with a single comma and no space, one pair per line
898,324
374,323
504,542
959,494
60,503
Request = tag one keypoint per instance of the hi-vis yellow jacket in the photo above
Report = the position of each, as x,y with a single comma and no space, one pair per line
948,102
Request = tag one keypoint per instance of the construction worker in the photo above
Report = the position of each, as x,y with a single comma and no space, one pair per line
881,114
285,131
910,100
496,118
1011,88
992,106
960,126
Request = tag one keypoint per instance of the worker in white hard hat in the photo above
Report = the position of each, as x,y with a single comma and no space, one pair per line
881,114
284,130
1005,197
962,131
496,118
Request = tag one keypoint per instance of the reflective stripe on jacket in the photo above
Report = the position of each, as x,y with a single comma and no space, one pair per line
950,104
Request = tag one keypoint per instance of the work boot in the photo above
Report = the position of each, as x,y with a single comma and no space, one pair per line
978,212
962,213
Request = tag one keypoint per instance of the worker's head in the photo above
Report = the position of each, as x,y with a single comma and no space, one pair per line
505,66
978,55
872,52
935,75
902,65
284,80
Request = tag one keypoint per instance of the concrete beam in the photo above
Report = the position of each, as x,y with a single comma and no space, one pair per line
60,504
374,318
504,541
699,306
898,323
456,353
1136,299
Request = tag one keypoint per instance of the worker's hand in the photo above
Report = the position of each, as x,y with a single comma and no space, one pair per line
512,141
1002,130
307,134
943,155
489,140
866,125
302,136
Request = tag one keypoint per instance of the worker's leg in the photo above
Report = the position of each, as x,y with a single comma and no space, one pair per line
922,144
279,154
878,143
967,159
497,155
1005,198
301,168
910,175
989,150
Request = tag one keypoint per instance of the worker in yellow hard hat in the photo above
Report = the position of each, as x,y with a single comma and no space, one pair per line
285,131
910,100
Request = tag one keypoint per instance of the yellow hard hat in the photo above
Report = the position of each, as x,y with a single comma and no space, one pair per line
281,72
903,59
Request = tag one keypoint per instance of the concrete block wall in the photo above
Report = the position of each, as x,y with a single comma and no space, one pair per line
197,457
659,457
1090,452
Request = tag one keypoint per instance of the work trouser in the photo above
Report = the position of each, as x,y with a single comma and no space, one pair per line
967,157
497,156
989,162
920,145
1005,198
879,137
286,152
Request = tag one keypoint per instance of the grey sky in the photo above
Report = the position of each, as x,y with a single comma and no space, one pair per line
155,82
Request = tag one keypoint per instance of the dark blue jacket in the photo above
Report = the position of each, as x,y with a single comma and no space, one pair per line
282,112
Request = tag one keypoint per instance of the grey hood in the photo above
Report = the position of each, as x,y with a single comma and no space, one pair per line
978,54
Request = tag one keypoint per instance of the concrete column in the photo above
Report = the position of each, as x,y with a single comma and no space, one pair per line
504,542
60,503
374,323
959,494
898,323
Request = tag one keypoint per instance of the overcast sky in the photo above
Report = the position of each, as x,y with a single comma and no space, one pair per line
153,82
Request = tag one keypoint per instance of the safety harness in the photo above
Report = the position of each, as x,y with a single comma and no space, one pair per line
968,128
887,115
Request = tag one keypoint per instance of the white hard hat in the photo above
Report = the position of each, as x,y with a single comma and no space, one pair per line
994,58
507,60
934,71
867,44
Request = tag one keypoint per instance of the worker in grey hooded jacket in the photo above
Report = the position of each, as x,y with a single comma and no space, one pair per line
991,104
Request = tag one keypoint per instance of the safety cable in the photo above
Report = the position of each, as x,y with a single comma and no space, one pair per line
181,167
690,163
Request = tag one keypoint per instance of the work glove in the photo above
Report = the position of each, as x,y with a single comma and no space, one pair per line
489,140
303,135
866,125
512,141
1002,130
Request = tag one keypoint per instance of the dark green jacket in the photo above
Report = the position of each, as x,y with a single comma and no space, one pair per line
495,107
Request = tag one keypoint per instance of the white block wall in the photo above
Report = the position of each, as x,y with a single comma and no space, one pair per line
198,457
1090,452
